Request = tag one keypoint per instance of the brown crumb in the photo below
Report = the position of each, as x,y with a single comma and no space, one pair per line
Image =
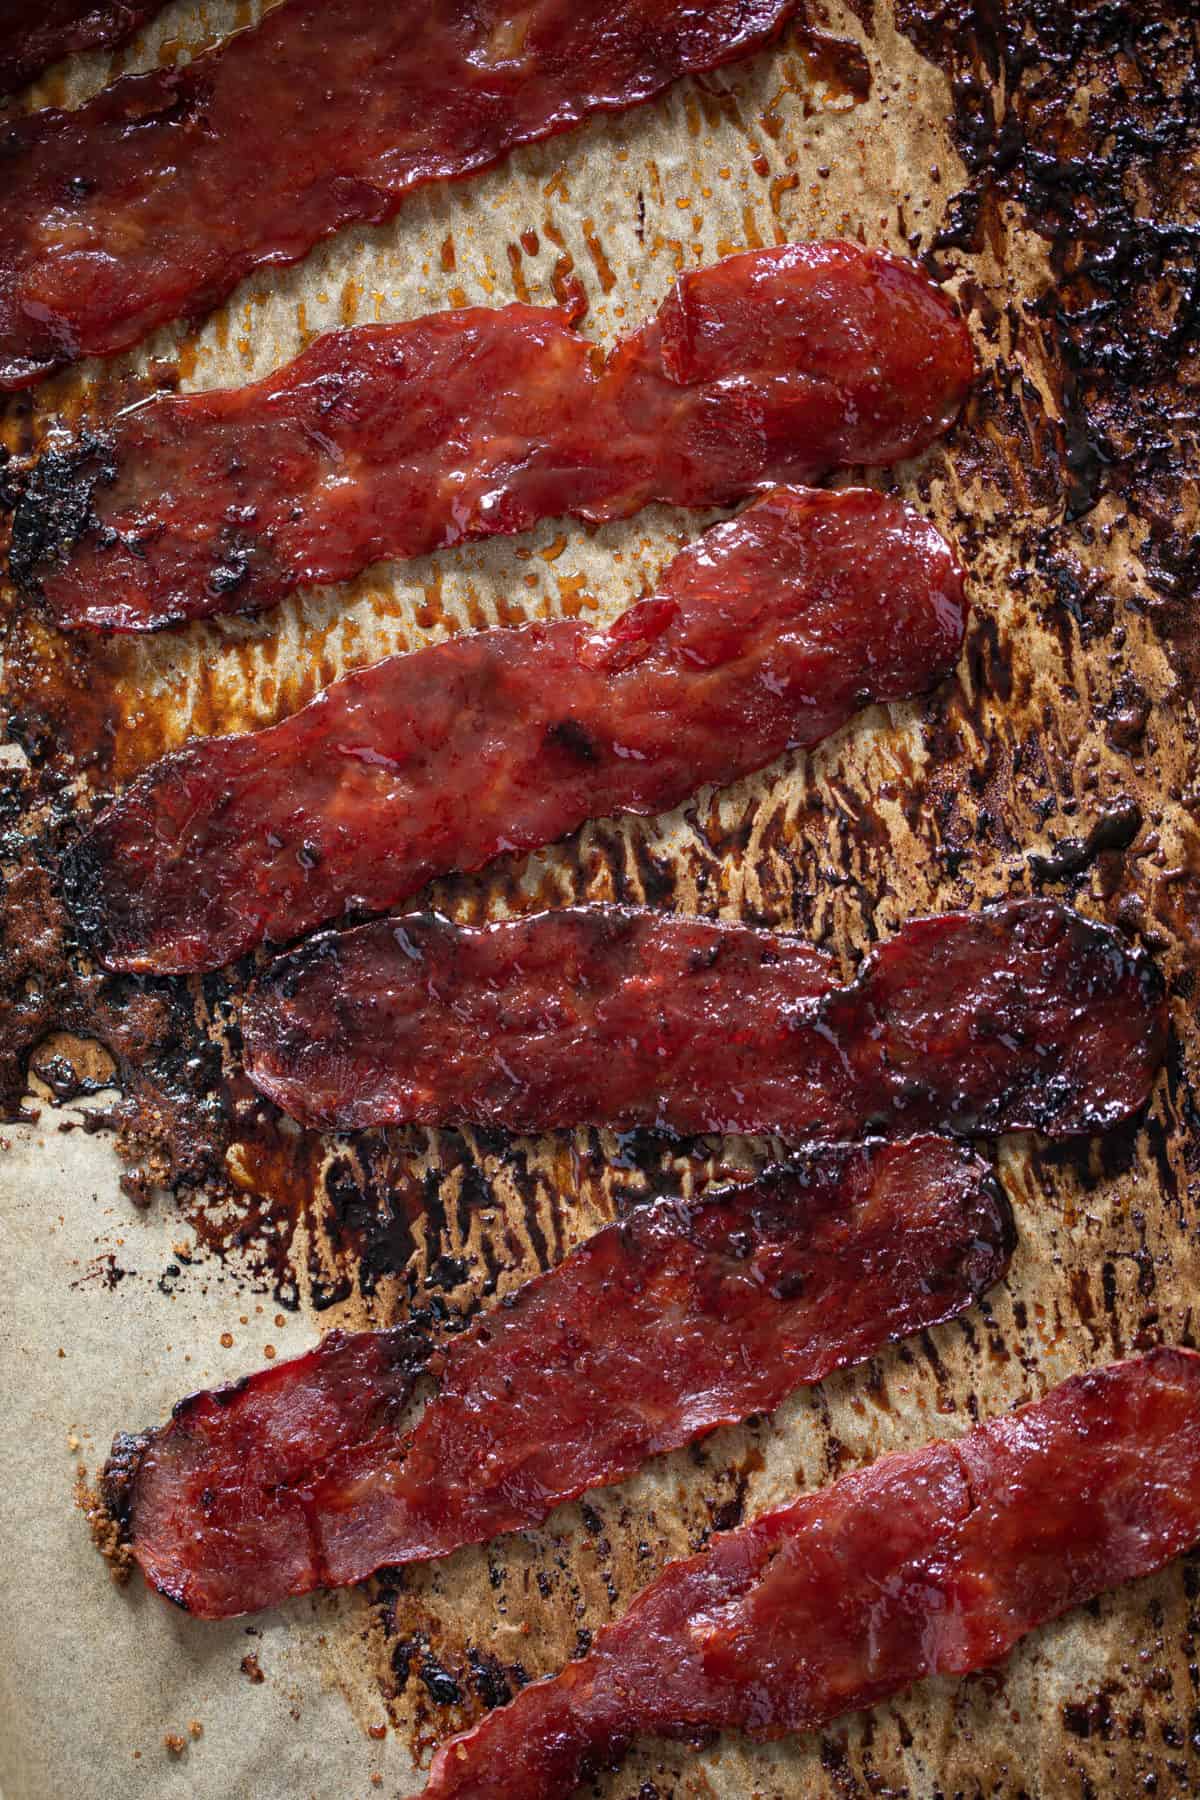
377,1781
377,1732
227,1340
175,1744
268,1351
195,1728
106,1533
61,1351
252,1668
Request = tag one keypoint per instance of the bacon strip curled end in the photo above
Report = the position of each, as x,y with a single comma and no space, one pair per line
1025,1016
682,1317
395,440
927,1563
769,632
152,201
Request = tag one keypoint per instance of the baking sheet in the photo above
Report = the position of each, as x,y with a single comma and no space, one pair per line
114,1308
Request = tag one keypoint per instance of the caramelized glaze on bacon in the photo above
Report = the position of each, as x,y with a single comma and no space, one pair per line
1025,1016
153,200
686,1316
770,631
932,1562
393,440
34,33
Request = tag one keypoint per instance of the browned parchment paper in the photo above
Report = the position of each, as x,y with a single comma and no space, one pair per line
1073,705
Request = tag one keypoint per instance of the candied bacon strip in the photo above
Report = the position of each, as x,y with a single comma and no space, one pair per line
769,632
153,200
1026,1016
393,440
35,33
686,1316
935,1561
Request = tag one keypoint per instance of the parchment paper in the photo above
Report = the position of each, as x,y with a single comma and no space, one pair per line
97,1335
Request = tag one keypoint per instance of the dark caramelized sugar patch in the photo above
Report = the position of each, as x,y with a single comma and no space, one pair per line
1111,187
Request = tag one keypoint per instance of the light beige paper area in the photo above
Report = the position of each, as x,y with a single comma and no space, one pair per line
93,1680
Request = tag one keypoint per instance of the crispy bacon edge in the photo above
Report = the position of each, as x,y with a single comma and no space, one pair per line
52,29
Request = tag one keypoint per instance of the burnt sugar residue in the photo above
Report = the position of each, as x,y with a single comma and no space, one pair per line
837,64
427,1224
1113,831
1087,117
52,506
76,705
146,1032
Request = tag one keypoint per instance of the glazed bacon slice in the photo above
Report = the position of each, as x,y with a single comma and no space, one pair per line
35,33
770,631
934,1562
151,202
394,440
585,1015
685,1316
1022,1017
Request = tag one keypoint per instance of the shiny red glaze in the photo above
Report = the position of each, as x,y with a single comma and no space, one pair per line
683,1317
1025,1016
34,33
583,1015
151,202
932,1562
770,631
394,440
